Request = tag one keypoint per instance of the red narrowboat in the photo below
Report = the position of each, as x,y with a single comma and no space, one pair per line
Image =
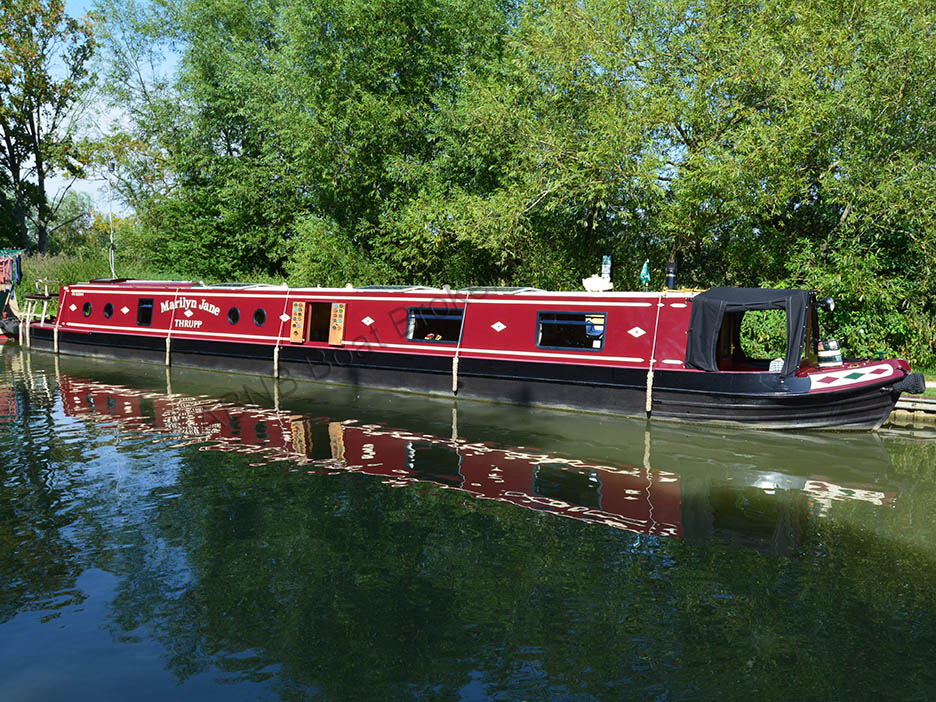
666,355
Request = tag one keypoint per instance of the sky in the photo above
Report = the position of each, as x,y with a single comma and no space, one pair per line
76,8
98,189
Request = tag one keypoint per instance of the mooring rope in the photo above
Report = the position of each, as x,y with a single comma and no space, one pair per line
175,297
58,315
279,334
656,327
461,333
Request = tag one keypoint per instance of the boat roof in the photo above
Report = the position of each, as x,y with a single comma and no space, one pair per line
131,282
417,289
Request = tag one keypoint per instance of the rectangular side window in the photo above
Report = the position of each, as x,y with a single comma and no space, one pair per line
570,330
441,326
144,311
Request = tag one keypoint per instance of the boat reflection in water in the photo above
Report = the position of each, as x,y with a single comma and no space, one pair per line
9,405
755,489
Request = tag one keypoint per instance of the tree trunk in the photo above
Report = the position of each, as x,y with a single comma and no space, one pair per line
42,204
42,218
15,203
19,217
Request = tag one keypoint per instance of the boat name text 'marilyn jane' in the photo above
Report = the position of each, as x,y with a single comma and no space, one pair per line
670,354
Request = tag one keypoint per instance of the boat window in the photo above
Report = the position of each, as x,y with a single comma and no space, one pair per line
86,309
144,311
571,330
811,342
260,317
750,339
438,325
763,333
108,310
233,315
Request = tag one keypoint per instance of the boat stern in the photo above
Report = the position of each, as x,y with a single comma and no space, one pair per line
864,392
893,375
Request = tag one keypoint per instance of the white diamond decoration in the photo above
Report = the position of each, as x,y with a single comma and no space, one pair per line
188,313
636,332
368,321
125,309
284,317
72,307
498,326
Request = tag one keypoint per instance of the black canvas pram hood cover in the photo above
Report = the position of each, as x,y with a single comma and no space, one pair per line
709,309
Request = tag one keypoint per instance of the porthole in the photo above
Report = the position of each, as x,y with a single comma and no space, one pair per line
260,317
86,309
108,310
233,315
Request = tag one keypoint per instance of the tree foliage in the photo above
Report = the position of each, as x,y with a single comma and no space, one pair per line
44,74
766,143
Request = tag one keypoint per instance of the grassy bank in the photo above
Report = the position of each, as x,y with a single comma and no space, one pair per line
74,269
65,269
930,375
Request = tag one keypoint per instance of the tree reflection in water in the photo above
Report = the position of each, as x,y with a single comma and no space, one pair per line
316,555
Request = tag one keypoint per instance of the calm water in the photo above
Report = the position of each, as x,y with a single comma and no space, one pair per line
206,536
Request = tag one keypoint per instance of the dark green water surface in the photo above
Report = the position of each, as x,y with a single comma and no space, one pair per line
198,536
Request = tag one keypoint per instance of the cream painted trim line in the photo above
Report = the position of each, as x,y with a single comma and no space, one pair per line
570,303
182,292
538,354
333,292
306,297
175,332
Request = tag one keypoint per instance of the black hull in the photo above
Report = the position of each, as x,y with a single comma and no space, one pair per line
745,399
861,408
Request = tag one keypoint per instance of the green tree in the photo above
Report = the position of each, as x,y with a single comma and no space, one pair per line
44,75
71,226
759,144
722,131
187,163
281,112
769,143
